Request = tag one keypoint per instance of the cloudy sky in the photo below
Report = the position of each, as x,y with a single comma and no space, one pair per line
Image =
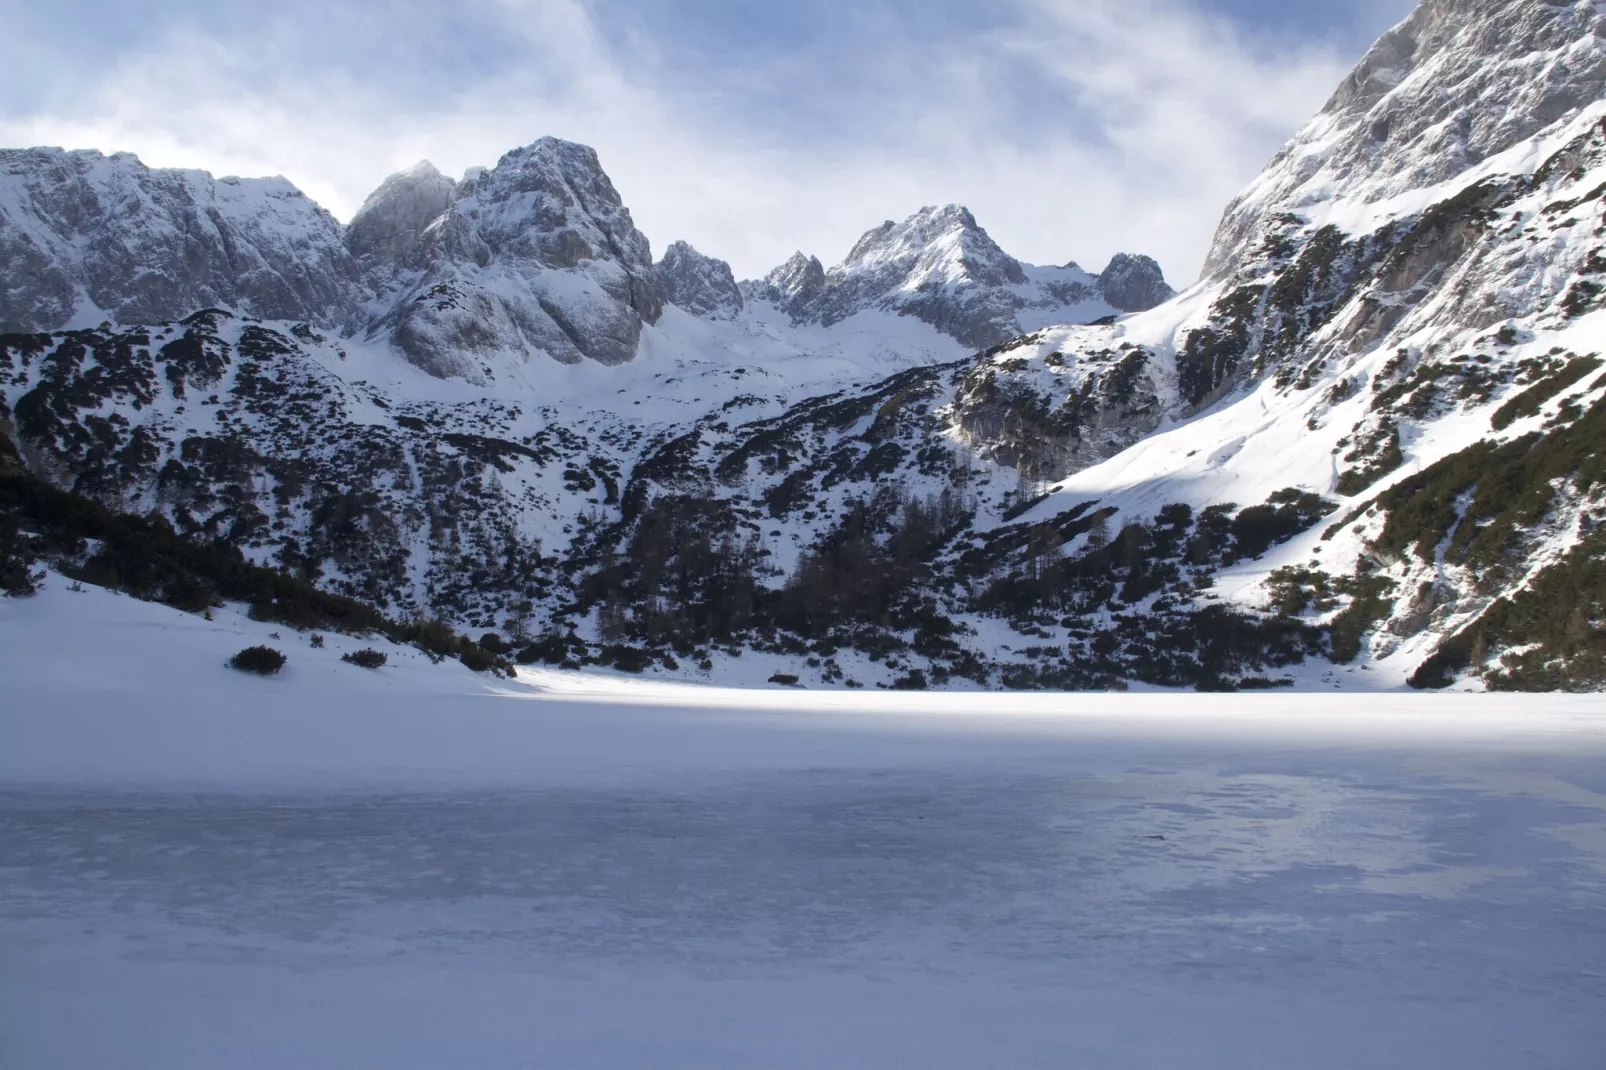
1073,128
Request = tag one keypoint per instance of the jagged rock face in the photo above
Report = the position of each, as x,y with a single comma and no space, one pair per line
940,266
535,258
1454,84
394,217
793,285
105,237
1134,283
699,284
1369,229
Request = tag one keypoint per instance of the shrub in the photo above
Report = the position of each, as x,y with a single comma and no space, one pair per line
16,561
366,658
625,658
184,592
262,660
479,659
784,679
914,681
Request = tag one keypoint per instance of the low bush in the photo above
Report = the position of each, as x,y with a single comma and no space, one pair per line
366,658
480,659
914,680
784,679
16,561
262,660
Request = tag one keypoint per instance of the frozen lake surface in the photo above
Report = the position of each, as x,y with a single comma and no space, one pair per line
423,870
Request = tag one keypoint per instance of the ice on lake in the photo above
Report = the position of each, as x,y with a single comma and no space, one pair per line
405,875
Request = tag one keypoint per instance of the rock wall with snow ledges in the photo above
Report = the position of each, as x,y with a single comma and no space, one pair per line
86,237
699,284
395,216
535,258
1458,82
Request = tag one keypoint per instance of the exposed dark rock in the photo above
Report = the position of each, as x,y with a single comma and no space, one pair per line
394,217
1134,283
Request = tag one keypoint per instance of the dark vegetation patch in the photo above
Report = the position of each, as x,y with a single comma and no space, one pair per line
366,658
1481,508
1531,400
144,557
1552,632
261,660
1512,488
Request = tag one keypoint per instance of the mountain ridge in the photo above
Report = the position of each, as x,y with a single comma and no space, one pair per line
1363,451
534,257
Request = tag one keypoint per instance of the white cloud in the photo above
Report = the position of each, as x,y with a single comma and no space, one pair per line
1084,128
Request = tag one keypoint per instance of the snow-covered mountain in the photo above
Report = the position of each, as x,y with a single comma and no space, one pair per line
534,258
490,278
86,238
940,266
1363,448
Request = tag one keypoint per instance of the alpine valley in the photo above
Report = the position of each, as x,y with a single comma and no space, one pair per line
1363,450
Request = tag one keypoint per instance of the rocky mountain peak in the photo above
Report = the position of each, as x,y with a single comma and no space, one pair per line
941,266
795,283
1457,82
394,217
537,256
939,246
1134,283
548,204
699,284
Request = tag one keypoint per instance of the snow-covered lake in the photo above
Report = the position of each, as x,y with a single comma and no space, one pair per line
418,868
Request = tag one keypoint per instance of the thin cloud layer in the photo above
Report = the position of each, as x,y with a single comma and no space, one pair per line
1073,128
